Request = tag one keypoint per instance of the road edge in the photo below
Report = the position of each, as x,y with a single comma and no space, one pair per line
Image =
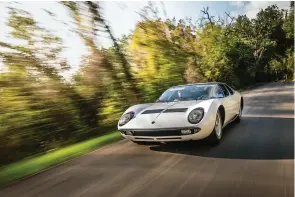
108,143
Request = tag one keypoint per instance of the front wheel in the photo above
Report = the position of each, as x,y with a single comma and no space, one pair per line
238,119
216,135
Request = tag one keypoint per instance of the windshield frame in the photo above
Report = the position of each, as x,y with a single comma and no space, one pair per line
177,90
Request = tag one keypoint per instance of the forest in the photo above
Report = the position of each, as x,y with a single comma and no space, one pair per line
41,111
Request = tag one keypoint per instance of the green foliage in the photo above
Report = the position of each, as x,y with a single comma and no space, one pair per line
241,53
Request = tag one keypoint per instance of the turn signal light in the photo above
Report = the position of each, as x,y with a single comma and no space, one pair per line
190,131
186,132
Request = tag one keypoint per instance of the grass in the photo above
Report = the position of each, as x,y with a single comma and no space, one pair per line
35,164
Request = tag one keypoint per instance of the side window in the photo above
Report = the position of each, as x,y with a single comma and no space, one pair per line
225,92
229,89
218,91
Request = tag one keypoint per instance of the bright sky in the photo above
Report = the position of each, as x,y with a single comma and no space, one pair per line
122,17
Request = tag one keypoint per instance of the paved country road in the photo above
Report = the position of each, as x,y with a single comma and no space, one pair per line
255,158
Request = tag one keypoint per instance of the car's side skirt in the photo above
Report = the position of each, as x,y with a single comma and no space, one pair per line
231,120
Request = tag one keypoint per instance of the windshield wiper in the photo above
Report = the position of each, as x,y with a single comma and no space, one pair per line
204,98
162,101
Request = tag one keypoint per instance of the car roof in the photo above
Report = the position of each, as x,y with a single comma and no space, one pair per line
207,83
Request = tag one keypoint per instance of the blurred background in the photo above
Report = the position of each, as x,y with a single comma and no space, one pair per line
68,70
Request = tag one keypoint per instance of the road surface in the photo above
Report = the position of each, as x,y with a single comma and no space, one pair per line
255,158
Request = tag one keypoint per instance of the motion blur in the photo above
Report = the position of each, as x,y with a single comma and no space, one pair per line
44,106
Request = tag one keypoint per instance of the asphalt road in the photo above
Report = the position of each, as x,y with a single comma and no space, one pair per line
255,158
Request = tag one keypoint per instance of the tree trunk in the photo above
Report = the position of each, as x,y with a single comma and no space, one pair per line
94,8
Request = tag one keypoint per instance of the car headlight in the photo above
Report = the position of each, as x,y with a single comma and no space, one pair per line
196,115
126,118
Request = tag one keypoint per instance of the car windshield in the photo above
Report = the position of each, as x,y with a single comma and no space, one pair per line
186,93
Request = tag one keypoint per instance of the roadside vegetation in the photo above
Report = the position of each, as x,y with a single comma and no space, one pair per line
41,111
43,161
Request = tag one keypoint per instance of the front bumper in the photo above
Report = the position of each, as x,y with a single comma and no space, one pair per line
165,131
165,134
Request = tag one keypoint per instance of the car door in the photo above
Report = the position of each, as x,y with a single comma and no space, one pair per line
228,102
235,99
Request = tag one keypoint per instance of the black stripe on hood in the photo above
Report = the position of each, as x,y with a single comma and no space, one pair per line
152,111
175,110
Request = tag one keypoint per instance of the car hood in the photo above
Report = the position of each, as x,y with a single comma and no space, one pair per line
173,105
163,115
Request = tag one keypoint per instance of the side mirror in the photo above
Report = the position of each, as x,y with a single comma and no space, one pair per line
218,95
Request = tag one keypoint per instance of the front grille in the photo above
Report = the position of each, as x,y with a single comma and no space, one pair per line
152,111
169,138
175,110
157,133
160,138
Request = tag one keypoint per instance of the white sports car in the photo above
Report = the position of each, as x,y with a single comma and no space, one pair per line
183,113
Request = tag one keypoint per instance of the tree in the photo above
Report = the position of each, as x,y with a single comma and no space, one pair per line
37,114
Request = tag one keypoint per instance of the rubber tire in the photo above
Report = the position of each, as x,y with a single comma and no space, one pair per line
212,138
238,119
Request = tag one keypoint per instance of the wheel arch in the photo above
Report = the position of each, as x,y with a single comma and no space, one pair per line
222,113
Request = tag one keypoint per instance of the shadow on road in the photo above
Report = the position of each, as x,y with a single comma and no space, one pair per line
259,138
